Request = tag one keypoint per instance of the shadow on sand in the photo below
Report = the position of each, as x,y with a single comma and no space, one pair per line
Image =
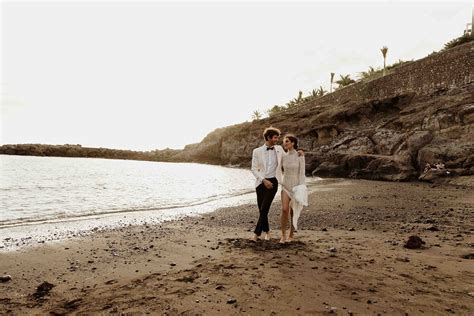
264,245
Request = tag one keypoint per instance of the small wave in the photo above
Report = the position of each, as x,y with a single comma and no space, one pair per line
65,217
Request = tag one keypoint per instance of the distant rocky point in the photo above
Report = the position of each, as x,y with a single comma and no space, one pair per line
68,150
388,128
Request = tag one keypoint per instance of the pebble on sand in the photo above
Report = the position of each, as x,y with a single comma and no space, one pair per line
43,289
468,256
414,242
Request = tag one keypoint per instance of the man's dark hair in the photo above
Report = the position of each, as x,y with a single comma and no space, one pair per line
269,132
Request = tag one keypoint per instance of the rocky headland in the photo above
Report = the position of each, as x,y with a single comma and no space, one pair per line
388,128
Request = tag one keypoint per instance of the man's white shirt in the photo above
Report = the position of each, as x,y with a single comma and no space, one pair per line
263,163
272,162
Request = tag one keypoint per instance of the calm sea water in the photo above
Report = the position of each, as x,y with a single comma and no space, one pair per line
39,189
46,199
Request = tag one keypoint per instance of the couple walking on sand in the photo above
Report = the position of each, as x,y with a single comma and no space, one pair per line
272,165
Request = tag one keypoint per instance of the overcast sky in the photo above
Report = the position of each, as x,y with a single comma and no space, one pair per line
150,75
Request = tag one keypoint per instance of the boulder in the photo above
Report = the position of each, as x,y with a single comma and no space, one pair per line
414,242
378,167
328,168
5,278
387,141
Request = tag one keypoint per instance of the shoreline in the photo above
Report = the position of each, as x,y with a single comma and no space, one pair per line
58,230
31,234
349,257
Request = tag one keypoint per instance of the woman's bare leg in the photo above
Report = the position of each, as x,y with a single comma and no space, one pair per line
285,210
292,228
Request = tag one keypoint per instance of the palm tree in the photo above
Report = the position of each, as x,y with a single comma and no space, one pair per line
458,41
256,115
275,110
344,81
321,91
292,104
332,78
384,51
369,73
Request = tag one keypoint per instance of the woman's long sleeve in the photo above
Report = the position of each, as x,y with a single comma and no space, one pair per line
302,167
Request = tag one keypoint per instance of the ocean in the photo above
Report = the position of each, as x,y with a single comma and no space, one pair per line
56,191
50,198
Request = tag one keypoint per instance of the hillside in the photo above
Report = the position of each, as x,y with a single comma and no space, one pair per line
388,128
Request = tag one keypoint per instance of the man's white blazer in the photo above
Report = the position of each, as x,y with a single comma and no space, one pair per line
259,164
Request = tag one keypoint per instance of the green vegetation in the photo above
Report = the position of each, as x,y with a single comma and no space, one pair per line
318,93
276,109
458,41
370,74
256,115
299,100
466,38
344,81
373,73
69,150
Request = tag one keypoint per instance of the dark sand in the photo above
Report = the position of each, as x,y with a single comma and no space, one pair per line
348,259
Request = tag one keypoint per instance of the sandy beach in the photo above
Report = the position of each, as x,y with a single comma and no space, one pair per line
348,259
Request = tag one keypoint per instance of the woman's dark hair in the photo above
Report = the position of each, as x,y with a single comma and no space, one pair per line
270,132
293,139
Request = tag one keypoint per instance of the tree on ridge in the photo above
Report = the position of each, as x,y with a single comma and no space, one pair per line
256,115
384,51
345,81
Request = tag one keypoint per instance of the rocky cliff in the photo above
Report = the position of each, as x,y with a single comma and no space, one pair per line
388,128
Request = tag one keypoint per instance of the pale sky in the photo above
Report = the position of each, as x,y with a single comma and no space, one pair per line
150,75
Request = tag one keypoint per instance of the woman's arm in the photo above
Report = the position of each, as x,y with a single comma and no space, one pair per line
302,175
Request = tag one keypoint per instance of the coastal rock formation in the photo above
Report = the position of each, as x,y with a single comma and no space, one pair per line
386,129
69,150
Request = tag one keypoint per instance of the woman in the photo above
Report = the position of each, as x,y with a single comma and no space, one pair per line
293,176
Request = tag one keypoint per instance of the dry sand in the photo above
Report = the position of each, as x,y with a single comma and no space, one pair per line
348,259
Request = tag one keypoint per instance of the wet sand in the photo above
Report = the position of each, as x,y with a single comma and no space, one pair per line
348,259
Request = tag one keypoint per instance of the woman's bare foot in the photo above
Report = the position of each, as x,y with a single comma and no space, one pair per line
268,236
290,237
253,238
283,240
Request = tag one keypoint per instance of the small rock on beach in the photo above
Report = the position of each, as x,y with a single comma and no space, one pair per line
414,242
5,278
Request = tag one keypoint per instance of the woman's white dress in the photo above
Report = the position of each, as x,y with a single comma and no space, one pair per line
294,180
293,171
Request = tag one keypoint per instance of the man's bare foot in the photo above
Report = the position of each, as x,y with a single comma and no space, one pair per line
282,240
268,236
253,238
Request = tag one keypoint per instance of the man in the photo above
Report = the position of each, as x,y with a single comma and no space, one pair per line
266,167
